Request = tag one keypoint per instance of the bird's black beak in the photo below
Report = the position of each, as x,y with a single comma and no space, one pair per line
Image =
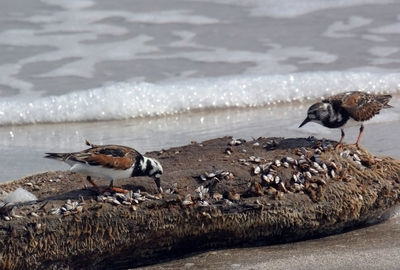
305,122
157,180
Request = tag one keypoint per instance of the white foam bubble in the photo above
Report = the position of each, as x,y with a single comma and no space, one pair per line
130,100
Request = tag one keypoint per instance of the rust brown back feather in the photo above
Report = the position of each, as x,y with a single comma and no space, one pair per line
109,156
361,106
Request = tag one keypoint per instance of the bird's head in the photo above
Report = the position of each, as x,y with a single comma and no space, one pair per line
317,113
152,167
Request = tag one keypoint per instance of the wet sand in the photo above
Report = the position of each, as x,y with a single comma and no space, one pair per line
374,247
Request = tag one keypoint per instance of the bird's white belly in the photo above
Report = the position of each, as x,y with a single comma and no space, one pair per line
98,171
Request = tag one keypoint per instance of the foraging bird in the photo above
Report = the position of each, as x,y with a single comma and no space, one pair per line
111,162
337,110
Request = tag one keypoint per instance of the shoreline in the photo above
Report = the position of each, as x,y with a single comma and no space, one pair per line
29,143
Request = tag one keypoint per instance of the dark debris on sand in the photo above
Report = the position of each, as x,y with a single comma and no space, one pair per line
219,193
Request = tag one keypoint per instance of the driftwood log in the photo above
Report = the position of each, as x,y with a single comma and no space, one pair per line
219,193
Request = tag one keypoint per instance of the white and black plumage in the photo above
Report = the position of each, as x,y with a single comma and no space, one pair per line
111,162
337,110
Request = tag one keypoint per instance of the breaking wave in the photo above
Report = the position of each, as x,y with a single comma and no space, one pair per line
131,100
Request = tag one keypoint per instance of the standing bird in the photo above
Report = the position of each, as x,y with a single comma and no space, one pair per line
337,110
111,162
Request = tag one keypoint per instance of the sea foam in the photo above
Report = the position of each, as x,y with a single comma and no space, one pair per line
131,100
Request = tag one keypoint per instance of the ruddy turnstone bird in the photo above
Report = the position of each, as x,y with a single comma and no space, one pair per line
111,162
337,110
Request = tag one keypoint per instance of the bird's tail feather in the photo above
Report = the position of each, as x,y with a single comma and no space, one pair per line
58,156
384,99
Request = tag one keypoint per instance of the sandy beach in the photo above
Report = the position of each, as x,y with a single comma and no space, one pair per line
374,247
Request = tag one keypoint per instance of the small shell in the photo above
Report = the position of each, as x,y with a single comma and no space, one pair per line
277,179
298,187
317,158
282,187
324,167
285,164
307,175
313,171
33,214
224,173
322,182
210,175
203,203
7,218
333,174
333,165
317,167
116,202
278,163
302,161
203,177
257,170
257,160
79,208
228,202
15,215
241,160
268,178
345,154
256,144
252,158
188,200
235,142
317,151
290,160
356,157
295,178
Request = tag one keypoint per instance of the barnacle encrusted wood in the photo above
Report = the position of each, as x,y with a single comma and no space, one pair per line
219,193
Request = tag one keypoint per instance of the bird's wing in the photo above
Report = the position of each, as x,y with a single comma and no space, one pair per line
361,106
109,156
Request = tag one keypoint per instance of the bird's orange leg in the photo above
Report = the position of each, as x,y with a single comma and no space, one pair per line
340,144
89,179
359,136
116,189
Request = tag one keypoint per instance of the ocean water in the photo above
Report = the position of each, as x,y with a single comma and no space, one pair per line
154,74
